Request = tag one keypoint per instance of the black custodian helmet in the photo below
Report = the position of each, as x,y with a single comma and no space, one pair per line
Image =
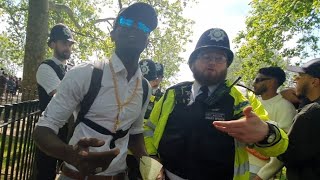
214,38
148,69
160,69
60,32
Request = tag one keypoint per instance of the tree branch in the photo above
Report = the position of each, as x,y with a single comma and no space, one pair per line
120,4
15,22
86,35
104,20
60,8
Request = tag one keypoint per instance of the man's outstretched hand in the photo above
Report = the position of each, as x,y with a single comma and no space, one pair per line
89,163
249,129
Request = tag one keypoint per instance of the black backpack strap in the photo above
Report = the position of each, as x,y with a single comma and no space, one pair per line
145,87
102,130
94,88
55,67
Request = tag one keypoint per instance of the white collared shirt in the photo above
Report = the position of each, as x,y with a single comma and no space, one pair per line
47,77
103,111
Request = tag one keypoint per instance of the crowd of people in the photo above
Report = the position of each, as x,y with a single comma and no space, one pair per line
210,128
9,85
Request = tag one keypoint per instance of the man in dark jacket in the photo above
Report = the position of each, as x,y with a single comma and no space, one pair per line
302,157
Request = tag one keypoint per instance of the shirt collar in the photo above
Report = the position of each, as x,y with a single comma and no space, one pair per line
273,99
196,88
117,63
57,61
118,66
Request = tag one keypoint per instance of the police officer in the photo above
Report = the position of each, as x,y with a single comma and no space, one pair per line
148,70
49,75
160,71
199,130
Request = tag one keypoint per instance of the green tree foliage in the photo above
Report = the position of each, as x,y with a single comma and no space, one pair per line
82,17
12,37
271,26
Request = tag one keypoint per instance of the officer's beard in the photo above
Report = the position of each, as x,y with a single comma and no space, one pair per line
206,80
64,55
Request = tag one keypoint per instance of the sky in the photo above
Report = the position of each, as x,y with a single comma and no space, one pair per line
228,15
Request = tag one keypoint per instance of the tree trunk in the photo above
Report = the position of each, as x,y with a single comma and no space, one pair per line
35,48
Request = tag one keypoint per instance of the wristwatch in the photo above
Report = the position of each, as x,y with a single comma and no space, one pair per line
271,136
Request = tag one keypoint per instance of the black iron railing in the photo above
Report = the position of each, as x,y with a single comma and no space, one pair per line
16,146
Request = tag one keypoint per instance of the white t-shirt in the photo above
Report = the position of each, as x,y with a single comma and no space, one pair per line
103,111
281,111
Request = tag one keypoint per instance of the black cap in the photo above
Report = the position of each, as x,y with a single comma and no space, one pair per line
159,68
311,67
148,69
214,38
140,12
60,32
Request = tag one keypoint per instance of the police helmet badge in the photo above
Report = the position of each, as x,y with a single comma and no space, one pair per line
217,35
144,68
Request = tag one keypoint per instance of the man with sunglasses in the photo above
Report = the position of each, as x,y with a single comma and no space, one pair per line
113,122
302,158
266,84
199,130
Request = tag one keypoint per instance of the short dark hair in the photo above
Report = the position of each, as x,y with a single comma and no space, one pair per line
274,72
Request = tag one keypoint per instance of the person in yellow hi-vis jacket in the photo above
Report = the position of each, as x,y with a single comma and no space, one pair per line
200,130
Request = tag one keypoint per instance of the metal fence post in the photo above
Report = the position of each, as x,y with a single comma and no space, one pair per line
4,134
15,144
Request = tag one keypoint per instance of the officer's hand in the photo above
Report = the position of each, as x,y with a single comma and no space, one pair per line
249,129
91,162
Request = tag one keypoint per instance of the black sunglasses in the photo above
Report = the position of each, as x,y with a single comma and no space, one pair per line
257,80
